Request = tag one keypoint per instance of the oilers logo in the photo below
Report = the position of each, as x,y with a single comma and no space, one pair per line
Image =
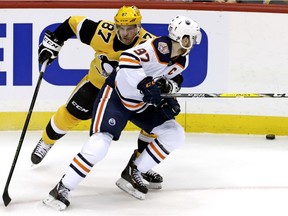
112,122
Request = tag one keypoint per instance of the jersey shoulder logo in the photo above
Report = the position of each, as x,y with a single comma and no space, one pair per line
163,48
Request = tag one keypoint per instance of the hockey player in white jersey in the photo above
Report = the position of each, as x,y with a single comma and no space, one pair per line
133,93
108,39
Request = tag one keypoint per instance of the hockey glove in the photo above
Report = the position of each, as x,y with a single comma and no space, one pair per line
170,108
150,91
49,48
167,86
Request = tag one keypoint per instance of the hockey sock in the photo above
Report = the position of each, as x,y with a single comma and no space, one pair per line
78,170
61,122
144,139
153,154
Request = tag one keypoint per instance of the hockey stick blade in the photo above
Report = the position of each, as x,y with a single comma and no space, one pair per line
6,198
226,95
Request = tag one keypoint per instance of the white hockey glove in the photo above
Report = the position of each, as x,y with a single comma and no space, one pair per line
49,48
167,86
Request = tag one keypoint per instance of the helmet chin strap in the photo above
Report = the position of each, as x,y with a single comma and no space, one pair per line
187,52
188,49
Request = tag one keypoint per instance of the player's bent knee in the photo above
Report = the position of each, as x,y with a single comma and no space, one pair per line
64,120
146,137
97,147
170,134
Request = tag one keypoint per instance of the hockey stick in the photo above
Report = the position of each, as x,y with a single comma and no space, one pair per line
226,95
5,196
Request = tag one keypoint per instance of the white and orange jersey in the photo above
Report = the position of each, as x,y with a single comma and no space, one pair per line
152,58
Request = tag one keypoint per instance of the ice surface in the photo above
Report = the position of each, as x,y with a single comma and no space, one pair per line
211,175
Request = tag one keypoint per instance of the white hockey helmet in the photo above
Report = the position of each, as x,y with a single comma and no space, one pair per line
182,26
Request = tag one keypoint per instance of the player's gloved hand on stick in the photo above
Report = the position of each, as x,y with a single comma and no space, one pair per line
167,86
49,48
150,91
170,108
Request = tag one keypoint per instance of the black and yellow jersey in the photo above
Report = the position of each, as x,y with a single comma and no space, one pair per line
102,37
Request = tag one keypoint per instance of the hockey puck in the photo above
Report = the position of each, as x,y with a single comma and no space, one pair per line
270,136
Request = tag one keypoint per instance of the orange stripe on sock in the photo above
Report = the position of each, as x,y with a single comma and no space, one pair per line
81,165
156,151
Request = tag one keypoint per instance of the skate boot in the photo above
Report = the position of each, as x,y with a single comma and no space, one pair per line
131,180
58,197
40,151
154,179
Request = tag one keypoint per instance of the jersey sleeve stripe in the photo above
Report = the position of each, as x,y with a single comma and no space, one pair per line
122,97
126,54
129,60
130,66
130,104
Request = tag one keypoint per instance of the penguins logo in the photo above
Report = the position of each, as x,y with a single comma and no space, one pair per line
107,66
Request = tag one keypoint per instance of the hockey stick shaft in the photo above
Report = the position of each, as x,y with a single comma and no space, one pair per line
5,196
226,95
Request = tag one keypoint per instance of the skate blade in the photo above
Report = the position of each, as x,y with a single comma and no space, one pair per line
128,188
32,165
55,204
154,186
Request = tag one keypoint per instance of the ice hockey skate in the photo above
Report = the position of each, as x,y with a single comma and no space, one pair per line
153,179
58,197
40,151
131,180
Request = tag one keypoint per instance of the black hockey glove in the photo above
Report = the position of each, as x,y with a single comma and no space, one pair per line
150,91
170,108
49,48
167,86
